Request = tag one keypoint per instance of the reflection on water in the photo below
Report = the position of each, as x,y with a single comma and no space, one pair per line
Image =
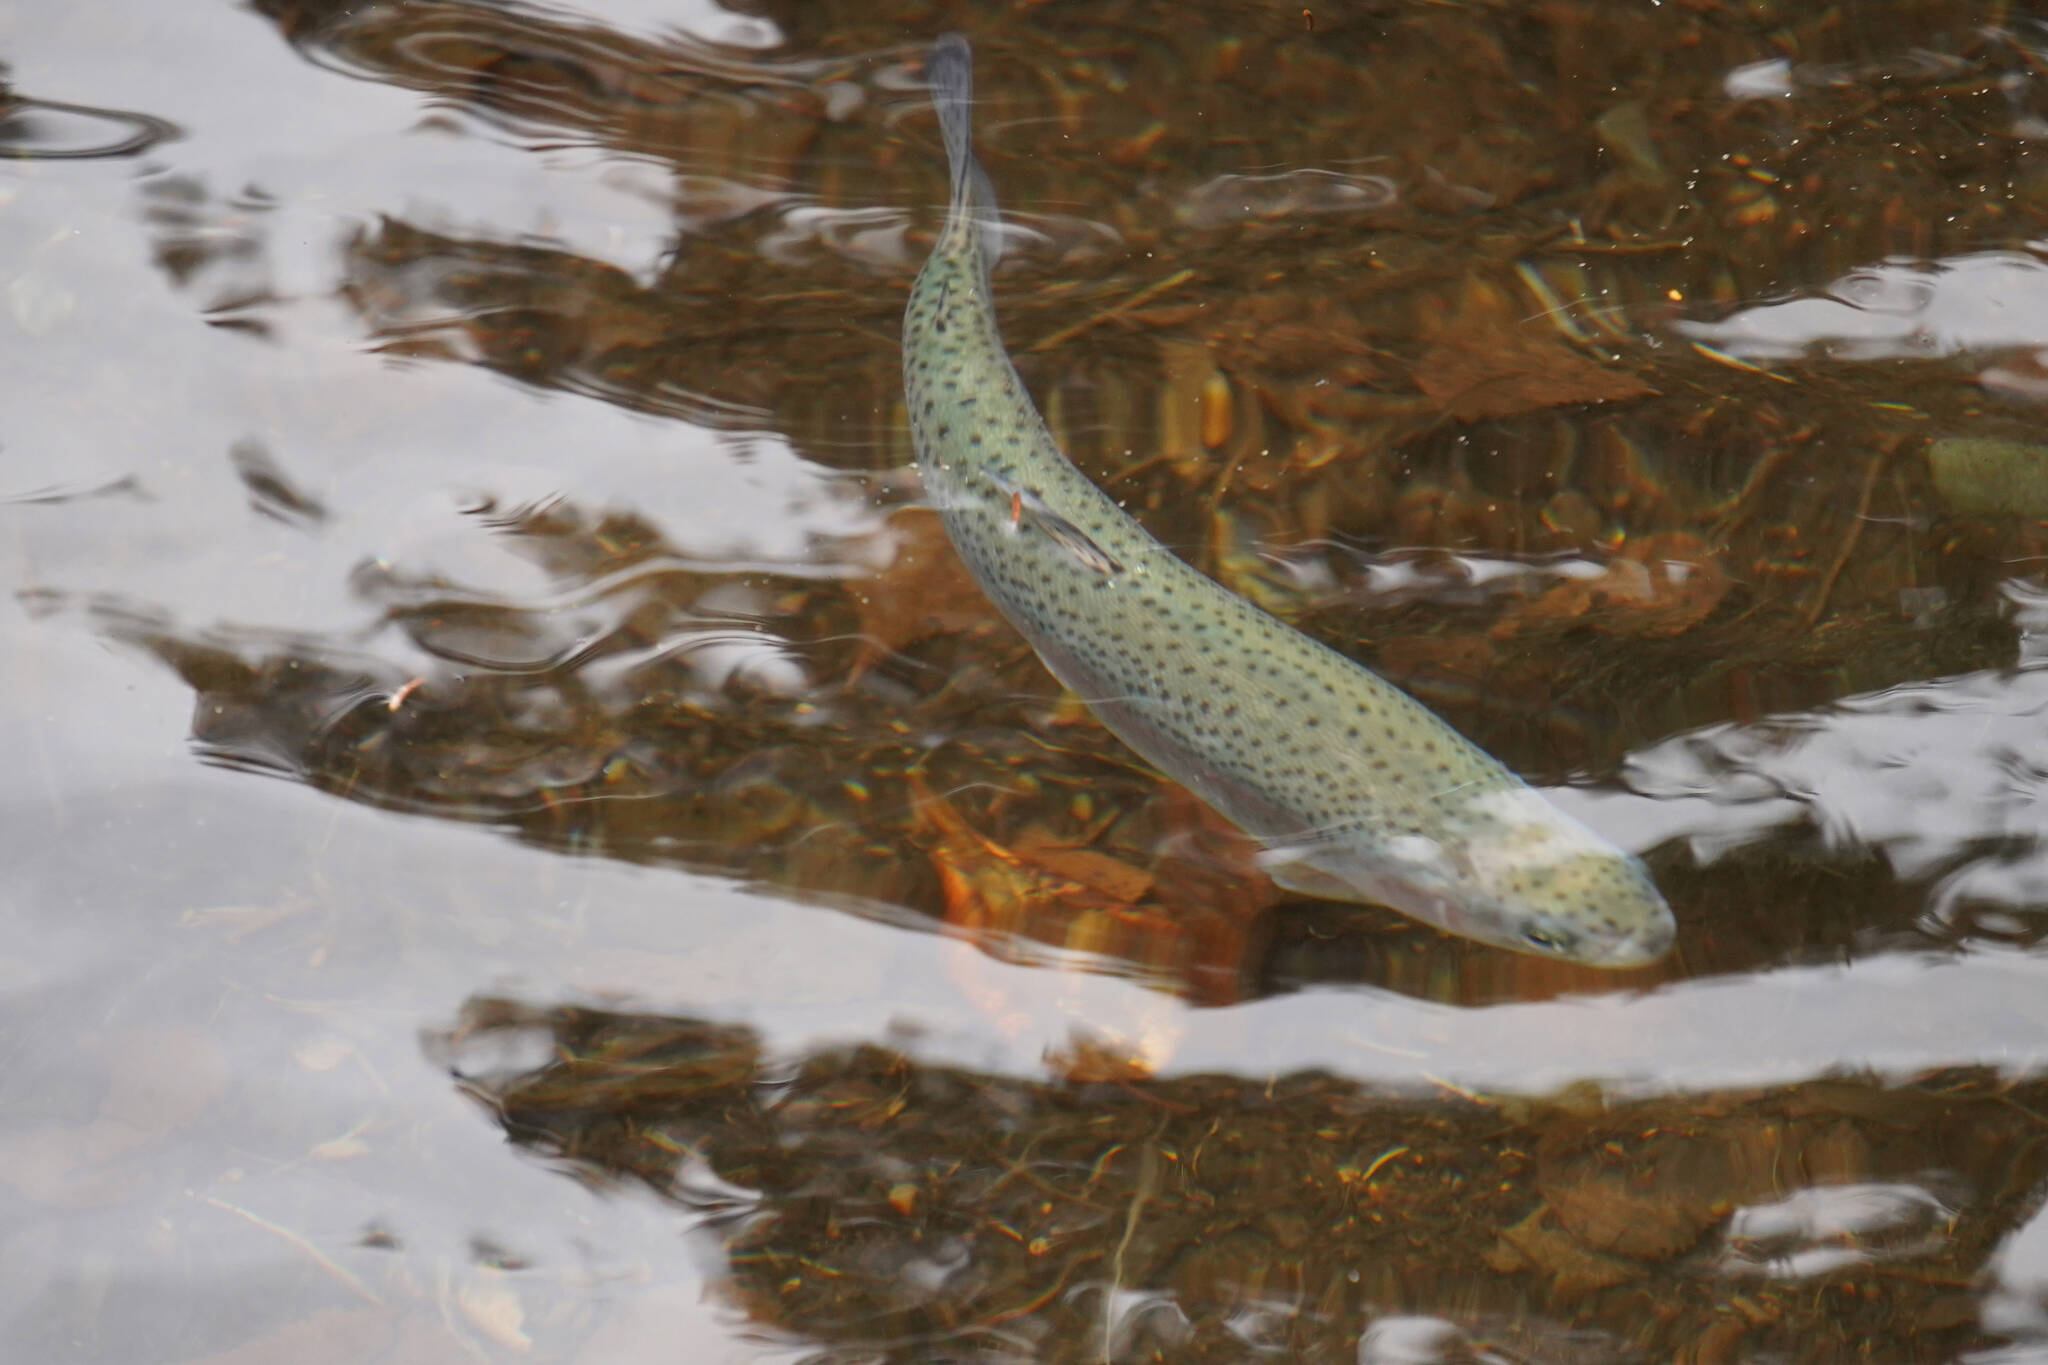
524,844
44,130
865,1200
1983,301
1942,778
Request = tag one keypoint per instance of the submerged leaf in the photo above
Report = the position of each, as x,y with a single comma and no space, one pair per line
1199,935
1488,362
1659,585
1536,1243
923,591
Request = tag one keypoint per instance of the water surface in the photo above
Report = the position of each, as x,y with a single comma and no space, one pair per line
525,845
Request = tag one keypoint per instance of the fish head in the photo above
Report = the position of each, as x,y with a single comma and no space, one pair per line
1507,869
1541,882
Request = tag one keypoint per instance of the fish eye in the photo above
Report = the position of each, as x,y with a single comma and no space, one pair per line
1545,939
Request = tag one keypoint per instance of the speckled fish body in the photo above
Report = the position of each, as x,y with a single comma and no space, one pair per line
1357,791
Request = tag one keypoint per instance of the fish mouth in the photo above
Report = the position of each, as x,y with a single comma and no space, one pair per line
1607,949
1639,949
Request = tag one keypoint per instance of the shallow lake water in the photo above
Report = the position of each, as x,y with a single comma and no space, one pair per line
524,844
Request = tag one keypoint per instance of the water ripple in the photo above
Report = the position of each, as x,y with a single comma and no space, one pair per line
49,130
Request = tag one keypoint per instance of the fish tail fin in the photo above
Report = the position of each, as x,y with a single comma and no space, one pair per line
949,71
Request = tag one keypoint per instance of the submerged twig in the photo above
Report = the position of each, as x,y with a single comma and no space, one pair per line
1093,320
1849,539
1148,1179
299,1243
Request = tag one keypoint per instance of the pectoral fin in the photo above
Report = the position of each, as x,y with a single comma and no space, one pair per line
1028,509
1290,873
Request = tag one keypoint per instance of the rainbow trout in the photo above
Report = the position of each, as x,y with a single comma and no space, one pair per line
1357,792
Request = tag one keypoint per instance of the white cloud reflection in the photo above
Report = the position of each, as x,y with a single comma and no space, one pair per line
1899,308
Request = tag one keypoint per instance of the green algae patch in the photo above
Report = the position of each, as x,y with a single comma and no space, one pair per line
1989,474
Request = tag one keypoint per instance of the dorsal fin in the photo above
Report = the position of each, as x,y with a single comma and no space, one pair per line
949,71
